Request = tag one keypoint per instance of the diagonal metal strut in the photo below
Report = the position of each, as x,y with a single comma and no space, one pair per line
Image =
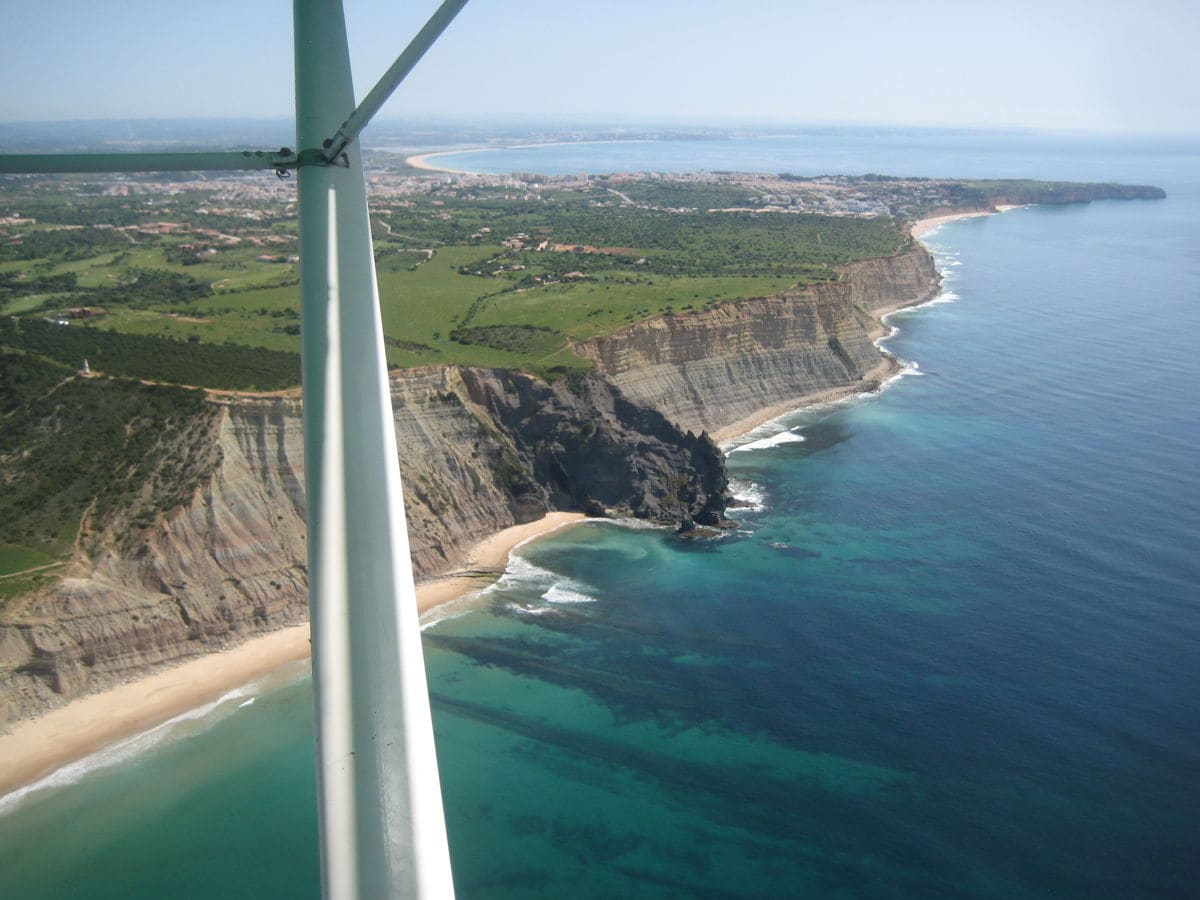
365,111
281,161
383,832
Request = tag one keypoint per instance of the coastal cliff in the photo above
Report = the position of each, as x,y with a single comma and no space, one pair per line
154,583
228,561
225,563
709,370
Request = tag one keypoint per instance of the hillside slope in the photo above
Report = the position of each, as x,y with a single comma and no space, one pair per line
229,561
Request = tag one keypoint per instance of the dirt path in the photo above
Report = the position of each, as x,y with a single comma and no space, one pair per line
34,569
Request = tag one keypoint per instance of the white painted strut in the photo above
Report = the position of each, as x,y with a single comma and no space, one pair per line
383,832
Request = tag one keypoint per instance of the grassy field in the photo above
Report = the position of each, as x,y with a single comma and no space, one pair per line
15,558
495,280
593,307
21,584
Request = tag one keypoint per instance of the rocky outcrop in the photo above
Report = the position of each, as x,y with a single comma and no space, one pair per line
519,447
584,444
229,562
708,370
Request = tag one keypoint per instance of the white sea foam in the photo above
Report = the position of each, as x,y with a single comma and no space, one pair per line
193,720
907,370
247,702
748,493
560,593
774,440
526,609
522,575
520,572
525,576
634,524
943,296
444,612
768,429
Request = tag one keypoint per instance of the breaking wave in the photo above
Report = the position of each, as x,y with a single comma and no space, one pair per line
182,725
749,494
561,593
774,440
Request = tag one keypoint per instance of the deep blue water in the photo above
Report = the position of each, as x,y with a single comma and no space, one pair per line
953,651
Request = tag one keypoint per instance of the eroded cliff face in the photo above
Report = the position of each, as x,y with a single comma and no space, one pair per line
230,562
207,573
710,369
586,446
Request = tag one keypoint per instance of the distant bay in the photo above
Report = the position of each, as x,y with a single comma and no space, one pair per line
952,651
924,152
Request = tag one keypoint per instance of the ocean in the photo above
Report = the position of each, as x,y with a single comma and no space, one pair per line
953,649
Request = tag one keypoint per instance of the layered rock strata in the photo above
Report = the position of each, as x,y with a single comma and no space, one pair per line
207,573
708,370
230,562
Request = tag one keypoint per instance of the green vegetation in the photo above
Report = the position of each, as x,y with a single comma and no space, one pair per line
188,286
196,283
19,584
75,449
1021,191
696,195
590,308
152,358
576,265
64,244
524,339
18,559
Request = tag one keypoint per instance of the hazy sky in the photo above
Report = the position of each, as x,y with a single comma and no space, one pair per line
1103,64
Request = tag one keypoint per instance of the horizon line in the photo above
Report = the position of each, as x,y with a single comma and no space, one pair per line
510,123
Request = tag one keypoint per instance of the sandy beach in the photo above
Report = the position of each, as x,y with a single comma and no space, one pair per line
886,369
922,227
37,747
425,162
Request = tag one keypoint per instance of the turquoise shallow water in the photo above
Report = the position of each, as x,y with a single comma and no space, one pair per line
953,651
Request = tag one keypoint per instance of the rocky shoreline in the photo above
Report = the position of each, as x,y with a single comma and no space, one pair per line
632,439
